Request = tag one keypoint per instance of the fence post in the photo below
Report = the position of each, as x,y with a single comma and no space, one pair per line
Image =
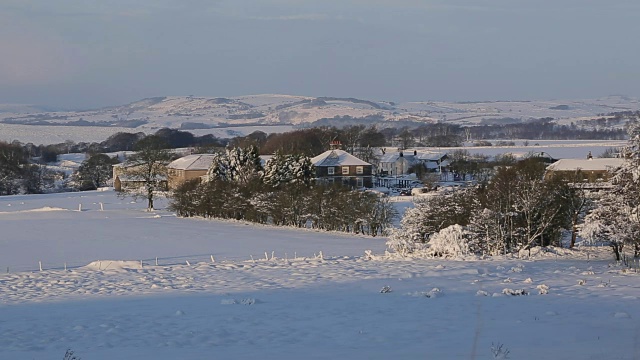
156,261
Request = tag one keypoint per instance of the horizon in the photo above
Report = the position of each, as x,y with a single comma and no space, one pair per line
87,55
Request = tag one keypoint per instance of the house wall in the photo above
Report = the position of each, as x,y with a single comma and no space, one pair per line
351,179
399,167
177,177
323,171
590,176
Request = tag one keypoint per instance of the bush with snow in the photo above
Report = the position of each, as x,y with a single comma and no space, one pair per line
512,292
452,241
542,289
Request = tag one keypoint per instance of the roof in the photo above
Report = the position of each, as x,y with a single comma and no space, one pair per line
431,156
134,178
393,157
420,156
192,162
599,164
337,158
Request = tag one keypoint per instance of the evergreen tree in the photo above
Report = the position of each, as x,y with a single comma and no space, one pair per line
288,169
236,165
95,172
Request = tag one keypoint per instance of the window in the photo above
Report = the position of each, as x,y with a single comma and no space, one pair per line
359,182
359,170
345,170
330,170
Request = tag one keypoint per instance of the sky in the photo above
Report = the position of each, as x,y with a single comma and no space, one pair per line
93,53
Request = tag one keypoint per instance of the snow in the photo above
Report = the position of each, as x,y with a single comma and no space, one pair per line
337,158
192,162
557,149
272,113
601,164
291,302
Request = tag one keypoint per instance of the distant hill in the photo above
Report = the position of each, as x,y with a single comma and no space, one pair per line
194,112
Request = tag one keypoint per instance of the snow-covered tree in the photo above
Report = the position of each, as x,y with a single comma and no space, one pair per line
239,165
488,229
402,242
616,216
430,215
288,169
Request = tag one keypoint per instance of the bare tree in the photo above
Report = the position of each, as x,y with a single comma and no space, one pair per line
148,166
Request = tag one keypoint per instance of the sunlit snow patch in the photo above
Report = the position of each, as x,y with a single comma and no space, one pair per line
42,209
114,265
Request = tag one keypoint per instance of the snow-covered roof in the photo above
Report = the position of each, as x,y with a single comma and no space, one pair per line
430,156
135,178
599,164
337,158
394,156
421,156
434,165
192,162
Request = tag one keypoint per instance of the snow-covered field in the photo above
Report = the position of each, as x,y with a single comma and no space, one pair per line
292,303
59,134
558,149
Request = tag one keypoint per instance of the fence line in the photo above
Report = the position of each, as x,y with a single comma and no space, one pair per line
43,265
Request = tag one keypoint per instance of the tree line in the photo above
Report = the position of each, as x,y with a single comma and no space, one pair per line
515,210
519,208
280,193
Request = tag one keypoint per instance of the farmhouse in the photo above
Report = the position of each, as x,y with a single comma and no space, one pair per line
591,170
399,163
188,168
339,165
122,180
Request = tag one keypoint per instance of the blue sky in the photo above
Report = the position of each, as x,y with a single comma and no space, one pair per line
89,53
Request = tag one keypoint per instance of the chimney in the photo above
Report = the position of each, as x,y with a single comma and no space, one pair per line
335,145
589,156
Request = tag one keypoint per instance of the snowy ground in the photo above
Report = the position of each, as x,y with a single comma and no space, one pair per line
558,149
287,306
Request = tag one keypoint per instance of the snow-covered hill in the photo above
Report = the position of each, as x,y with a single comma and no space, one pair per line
203,112
227,117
